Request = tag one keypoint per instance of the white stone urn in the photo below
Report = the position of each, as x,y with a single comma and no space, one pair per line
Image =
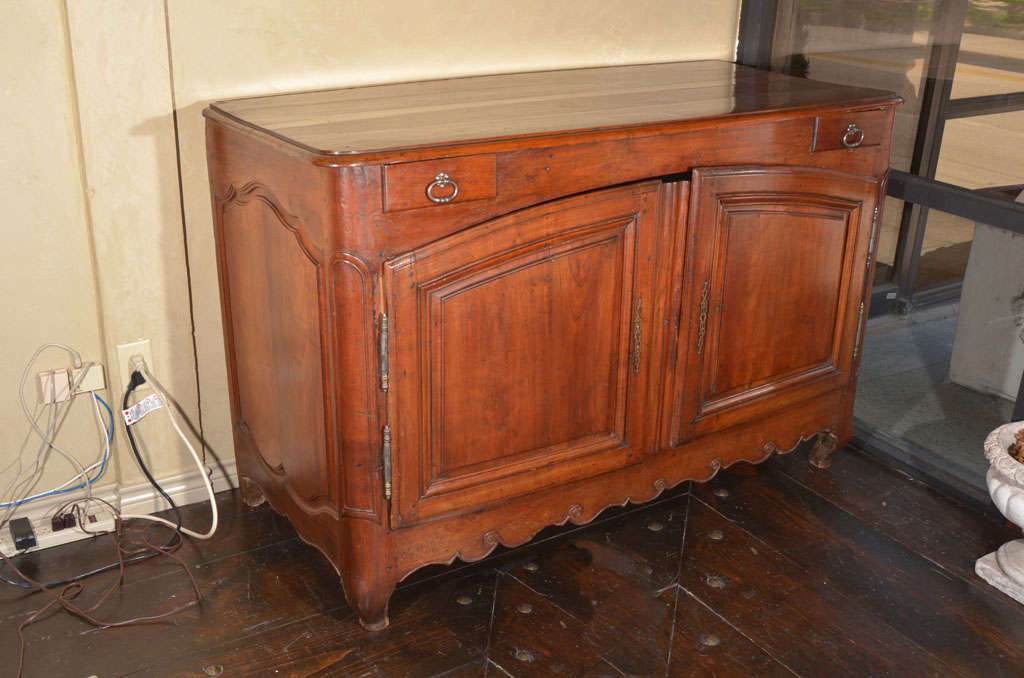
1004,567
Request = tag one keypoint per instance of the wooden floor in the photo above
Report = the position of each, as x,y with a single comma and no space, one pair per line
773,570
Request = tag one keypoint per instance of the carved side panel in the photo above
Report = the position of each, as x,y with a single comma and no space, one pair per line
356,358
277,319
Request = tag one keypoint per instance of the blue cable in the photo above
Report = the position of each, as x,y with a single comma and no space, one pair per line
103,465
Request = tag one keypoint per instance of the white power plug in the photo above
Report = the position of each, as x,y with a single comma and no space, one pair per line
126,355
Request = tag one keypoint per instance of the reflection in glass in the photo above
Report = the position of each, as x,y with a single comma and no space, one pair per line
983,151
906,390
877,43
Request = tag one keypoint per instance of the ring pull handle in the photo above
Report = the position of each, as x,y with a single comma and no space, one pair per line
853,136
442,180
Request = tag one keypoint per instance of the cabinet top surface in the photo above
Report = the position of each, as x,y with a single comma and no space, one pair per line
461,110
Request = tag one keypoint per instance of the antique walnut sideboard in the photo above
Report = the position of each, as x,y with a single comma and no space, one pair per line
459,311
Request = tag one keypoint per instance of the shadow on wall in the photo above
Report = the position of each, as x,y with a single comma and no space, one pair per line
168,181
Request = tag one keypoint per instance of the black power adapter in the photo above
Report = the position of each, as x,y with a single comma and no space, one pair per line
22,533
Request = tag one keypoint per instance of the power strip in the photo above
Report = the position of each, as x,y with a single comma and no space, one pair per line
47,538
186,488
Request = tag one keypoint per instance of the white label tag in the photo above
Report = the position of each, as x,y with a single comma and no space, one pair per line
142,408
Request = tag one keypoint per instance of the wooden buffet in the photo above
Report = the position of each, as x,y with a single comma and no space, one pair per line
459,311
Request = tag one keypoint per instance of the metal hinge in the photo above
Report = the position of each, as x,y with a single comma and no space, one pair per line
385,454
638,334
874,235
385,379
860,325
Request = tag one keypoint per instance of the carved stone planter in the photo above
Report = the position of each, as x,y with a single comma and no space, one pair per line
1004,567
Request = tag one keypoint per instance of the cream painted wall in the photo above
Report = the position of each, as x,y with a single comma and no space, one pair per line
46,278
94,88
119,50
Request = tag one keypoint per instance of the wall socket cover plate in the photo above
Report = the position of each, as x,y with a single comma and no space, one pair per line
143,347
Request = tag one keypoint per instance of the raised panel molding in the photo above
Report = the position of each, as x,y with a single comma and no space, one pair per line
773,283
524,336
791,205
311,486
436,299
354,287
255,190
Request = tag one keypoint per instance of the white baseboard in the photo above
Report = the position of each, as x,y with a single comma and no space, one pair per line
184,489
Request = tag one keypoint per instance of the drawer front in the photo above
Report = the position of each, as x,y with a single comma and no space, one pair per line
837,131
540,173
435,183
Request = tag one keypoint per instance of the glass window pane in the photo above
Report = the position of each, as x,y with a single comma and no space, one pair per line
915,384
992,49
946,248
983,151
876,43
888,236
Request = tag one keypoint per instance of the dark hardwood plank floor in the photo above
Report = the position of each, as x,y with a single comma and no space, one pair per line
773,570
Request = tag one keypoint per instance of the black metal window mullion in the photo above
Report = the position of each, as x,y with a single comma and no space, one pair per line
756,33
947,29
967,107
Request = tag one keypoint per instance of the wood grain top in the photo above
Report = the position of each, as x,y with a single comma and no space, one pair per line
438,112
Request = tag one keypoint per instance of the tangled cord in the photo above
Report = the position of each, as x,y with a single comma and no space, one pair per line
136,380
130,543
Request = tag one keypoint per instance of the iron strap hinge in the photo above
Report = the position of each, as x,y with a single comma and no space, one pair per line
860,326
638,334
385,378
874,236
385,454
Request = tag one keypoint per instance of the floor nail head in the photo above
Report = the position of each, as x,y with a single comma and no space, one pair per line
709,640
523,655
716,582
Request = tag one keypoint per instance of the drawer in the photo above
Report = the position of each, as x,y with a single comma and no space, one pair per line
434,183
836,131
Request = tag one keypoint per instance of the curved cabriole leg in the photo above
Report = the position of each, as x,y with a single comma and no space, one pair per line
821,454
252,495
367,572
369,599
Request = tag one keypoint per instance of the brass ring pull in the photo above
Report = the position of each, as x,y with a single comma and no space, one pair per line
853,136
442,180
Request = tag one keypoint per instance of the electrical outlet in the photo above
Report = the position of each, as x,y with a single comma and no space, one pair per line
142,347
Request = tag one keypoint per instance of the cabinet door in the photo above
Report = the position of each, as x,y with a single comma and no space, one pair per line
518,352
774,278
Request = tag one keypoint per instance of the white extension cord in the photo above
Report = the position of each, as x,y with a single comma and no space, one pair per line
140,365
